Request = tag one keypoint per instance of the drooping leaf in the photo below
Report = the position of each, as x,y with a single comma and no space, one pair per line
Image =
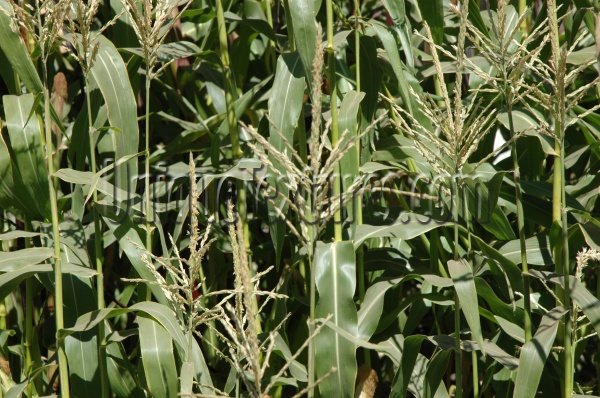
14,48
110,74
464,284
372,307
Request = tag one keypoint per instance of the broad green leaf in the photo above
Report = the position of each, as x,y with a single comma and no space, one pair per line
335,277
350,162
391,48
537,247
433,13
476,19
201,370
170,51
410,351
110,74
16,234
129,239
240,105
121,373
187,378
589,304
285,106
297,369
534,354
10,280
156,347
406,227
10,261
161,313
435,372
305,31
464,284
482,197
14,48
513,330
29,164
372,307
397,11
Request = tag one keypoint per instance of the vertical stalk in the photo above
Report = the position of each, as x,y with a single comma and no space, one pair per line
559,211
520,223
28,320
147,164
270,54
358,216
289,24
58,282
337,217
98,257
457,348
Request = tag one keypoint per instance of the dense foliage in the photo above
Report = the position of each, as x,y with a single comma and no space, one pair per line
328,198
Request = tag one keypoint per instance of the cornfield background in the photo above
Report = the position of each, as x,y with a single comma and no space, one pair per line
331,198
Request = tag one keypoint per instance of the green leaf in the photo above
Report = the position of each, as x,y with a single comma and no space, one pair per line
110,74
350,162
10,261
305,32
397,11
406,227
170,51
534,354
11,43
161,313
285,106
410,351
121,373
129,239
464,284
335,277
537,247
372,307
433,13
10,280
16,234
589,304
29,166
156,347
435,372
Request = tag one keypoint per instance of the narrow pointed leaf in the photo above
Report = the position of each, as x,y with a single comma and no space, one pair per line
534,354
305,31
110,74
285,106
464,284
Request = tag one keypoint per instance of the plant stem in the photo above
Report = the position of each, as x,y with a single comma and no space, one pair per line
98,257
289,24
337,217
58,282
28,320
458,353
520,225
149,214
559,210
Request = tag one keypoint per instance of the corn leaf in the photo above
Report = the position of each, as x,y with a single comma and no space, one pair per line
534,354
156,346
335,277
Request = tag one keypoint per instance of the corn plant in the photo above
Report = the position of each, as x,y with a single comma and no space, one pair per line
340,198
